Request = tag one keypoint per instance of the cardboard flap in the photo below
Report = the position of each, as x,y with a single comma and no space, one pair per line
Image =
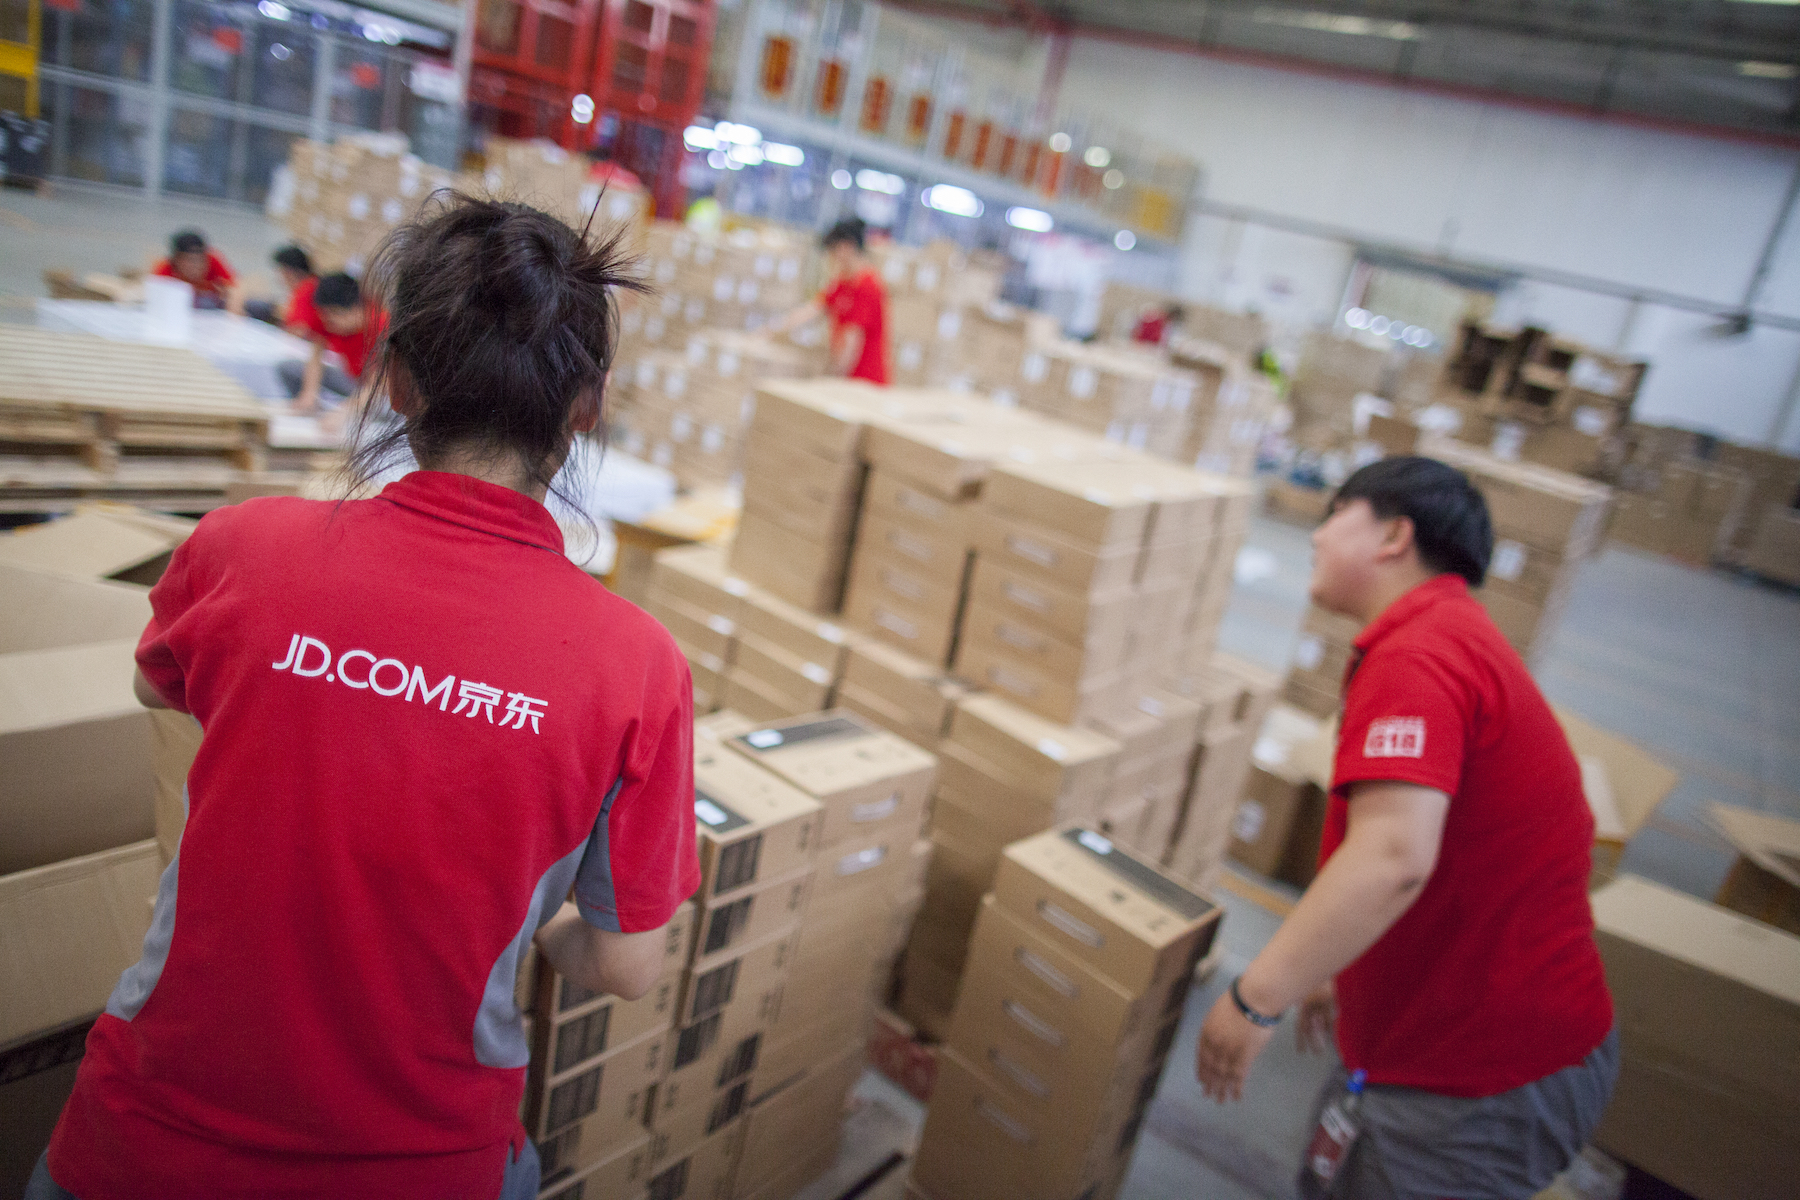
1772,843
90,543
42,689
1640,783
46,610
1716,940
66,932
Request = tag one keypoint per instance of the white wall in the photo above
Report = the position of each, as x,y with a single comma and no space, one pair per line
1485,183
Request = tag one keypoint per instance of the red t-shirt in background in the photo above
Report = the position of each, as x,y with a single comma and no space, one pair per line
300,311
354,347
423,727
218,276
1491,980
1151,329
862,302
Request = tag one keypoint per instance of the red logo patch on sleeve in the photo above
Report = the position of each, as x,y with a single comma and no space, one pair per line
1395,737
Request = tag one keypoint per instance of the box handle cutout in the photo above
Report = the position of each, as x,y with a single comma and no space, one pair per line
1058,982
1011,1128
1035,1025
1019,1075
1070,924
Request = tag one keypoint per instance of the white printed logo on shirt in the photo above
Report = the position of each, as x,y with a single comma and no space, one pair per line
1395,737
310,658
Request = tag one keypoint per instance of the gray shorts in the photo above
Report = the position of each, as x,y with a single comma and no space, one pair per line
1418,1145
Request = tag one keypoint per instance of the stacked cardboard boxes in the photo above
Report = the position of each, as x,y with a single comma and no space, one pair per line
1004,774
689,411
349,194
1231,408
1276,827
1694,514
900,693
928,289
700,602
1315,681
1235,699
871,788
1081,961
739,280
1134,398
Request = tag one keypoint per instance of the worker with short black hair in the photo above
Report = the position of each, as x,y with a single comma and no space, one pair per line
855,301
196,264
1450,907
294,267
336,318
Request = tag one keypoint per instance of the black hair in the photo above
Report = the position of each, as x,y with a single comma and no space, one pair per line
188,241
850,229
500,319
337,291
294,259
1451,526
1175,314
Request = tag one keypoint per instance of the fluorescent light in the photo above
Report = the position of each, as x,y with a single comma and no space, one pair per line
1097,157
699,137
840,180
1031,219
1124,239
581,109
1357,318
1768,70
750,156
743,135
880,181
1113,179
957,201
1060,143
273,10
1399,31
787,156
717,160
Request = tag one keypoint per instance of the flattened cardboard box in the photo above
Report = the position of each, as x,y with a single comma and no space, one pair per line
752,825
1122,916
67,931
1708,1011
860,774
98,541
1764,882
75,745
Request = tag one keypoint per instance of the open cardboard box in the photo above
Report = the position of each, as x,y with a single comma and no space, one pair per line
99,541
1764,882
1624,785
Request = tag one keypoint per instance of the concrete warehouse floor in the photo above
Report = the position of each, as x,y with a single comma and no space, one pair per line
1700,667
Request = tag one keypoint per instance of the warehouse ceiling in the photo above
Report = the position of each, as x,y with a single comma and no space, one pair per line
1733,64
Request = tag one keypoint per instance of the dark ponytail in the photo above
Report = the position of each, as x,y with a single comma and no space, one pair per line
501,318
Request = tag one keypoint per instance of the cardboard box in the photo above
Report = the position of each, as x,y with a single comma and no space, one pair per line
1044,553
862,776
624,1170
699,632
1708,1006
702,1172
699,578
696,1103
98,541
1299,505
987,627
773,623
67,931
1123,917
750,915
796,567
607,1096
884,608
1537,505
1091,504
1031,684
752,974
913,685
802,1046
75,745
1764,881
582,1033
920,550
752,825
1774,550
1074,616
1056,763
976,1143
1284,803
783,673
796,1116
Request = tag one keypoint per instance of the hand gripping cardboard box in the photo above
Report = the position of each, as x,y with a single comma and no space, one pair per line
864,777
1708,1011
1111,910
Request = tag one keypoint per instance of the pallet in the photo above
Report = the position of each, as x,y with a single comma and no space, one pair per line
78,399
175,485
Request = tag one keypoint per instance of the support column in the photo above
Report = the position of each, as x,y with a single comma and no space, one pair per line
156,154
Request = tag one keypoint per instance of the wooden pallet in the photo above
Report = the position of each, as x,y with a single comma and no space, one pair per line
86,400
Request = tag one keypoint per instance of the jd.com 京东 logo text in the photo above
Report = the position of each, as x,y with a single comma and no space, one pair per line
310,658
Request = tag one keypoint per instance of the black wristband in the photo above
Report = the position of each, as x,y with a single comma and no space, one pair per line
1261,1020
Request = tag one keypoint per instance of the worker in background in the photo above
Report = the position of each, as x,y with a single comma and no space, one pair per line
855,301
1154,327
424,728
193,262
295,269
335,318
1451,904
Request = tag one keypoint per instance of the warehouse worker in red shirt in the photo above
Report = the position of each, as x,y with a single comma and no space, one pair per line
334,316
424,728
856,303
1451,905
193,262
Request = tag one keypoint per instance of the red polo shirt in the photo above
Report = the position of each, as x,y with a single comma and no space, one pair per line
861,302
218,276
424,727
355,348
1491,980
301,315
